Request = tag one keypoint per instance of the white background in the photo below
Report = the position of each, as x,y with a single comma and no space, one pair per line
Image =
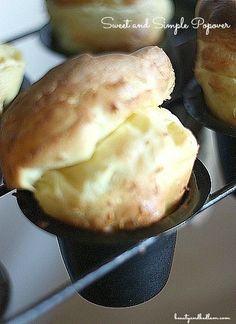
203,273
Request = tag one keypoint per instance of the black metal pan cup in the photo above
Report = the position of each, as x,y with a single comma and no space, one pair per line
143,276
139,279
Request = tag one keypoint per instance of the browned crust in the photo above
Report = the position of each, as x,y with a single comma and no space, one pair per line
56,122
226,38
215,58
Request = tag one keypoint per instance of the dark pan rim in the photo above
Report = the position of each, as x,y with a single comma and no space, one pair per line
193,200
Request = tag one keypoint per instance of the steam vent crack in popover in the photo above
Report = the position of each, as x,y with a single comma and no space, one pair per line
94,147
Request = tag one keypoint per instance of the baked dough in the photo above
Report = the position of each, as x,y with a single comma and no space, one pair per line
76,105
78,25
136,175
91,143
216,59
11,73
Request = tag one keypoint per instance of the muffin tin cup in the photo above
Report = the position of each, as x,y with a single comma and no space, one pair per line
143,276
134,282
